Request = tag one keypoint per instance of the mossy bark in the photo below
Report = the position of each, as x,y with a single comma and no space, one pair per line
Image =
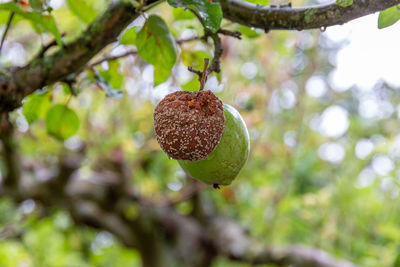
16,83
299,18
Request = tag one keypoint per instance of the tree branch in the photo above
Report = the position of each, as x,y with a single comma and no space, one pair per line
16,83
299,18
299,256
9,152
233,241
115,57
159,232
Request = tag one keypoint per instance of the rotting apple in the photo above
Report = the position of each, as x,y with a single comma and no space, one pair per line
189,125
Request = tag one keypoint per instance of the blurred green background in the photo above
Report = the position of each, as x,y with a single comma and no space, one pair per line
323,165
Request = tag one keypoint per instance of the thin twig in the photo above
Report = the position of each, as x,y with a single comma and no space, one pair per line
8,25
197,16
234,34
48,46
204,74
215,64
6,30
110,58
197,72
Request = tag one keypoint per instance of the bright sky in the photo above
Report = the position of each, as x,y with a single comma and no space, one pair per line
371,54
368,55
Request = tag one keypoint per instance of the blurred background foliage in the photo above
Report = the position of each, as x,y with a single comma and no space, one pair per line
322,170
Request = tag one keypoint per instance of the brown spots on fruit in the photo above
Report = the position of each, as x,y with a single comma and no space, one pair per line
191,104
189,125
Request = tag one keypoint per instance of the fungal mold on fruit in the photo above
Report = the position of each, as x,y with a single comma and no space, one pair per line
189,125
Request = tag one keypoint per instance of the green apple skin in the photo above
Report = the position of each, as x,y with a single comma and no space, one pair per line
223,164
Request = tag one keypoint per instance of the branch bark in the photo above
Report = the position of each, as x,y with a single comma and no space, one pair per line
9,152
299,18
16,83
233,242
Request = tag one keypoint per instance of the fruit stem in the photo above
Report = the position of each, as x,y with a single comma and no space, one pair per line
204,74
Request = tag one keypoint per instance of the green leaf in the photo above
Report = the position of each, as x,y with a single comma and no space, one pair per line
194,59
35,106
112,75
156,45
67,89
192,85
61,122
82,10
38,5
5,15
40,22
344,3
161,74
129,36
49,24
389,17
210,12
182,14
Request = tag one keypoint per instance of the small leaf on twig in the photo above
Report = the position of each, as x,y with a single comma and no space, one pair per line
211,13
389,17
